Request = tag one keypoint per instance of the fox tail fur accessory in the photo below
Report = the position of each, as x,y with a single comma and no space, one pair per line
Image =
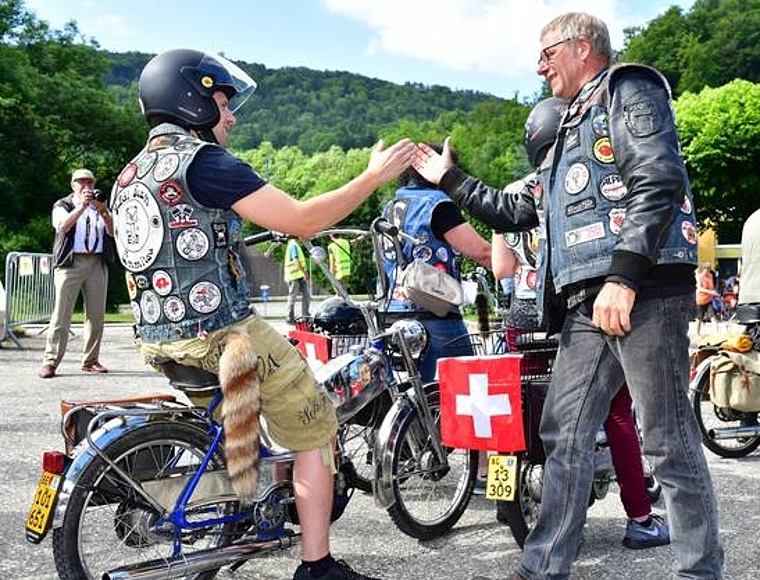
240,382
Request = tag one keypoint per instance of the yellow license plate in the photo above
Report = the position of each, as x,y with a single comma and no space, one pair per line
502,477
38,519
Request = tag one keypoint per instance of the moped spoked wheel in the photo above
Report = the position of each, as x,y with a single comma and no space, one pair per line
711,417
521,514
358,445
107,525
430,497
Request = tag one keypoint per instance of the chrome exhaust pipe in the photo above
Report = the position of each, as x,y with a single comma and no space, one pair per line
734,432
200,561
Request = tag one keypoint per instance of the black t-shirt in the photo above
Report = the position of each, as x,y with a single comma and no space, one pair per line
446,216
218,179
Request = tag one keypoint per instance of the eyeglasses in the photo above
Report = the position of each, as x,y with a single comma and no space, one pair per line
545,57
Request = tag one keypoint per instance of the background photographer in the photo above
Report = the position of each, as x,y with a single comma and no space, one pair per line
82,250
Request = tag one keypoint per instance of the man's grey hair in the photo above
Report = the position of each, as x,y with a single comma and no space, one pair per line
575,24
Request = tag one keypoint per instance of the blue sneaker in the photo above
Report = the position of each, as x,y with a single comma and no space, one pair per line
638,536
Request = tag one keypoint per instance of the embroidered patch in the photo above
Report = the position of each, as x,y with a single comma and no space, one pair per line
600,125
221,238
689,232
150,307
442,254
145,163
142,281
170,192
162,282
611,187
423,253
585,204
180,216
174,309
572,140
138,227
603,150
127,175
205,297
617,216
585,234
192,244
165,167
136,311
577,178
131,285
686,205
512,239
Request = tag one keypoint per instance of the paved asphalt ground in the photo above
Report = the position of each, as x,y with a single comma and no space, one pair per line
364,536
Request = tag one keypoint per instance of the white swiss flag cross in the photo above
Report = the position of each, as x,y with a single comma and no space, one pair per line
481,403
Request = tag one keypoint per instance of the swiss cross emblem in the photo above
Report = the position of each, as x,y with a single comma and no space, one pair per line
481,404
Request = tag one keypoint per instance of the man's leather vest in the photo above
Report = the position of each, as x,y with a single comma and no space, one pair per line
184,277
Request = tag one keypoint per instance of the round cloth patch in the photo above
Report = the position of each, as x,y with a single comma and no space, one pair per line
150,307
138,227
145,163
136,311
162,282
174,309
577,178
205,297
192,244
612,188
603,150
166,167
423,253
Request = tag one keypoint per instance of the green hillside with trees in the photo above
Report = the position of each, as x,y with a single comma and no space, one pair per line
66,103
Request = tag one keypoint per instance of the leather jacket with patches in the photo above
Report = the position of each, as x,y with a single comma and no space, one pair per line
617,198
184,276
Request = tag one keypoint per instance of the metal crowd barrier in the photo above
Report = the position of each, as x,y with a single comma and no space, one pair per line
29,292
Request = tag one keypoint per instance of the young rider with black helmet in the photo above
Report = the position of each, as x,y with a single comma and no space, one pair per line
178,208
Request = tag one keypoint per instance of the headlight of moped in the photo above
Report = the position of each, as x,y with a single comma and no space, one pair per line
414,334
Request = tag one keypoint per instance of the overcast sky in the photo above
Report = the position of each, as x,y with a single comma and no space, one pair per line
482,45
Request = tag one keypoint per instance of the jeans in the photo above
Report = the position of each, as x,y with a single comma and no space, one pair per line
590,367
446,337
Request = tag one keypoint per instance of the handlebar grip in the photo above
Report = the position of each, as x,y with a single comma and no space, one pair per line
383,226
265,236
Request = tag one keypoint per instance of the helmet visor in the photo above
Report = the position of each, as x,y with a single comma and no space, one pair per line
236,83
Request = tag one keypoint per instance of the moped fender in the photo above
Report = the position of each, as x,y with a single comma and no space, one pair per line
84,453
387,437
702,368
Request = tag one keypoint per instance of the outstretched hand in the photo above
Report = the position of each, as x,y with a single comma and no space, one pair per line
430,165
389,163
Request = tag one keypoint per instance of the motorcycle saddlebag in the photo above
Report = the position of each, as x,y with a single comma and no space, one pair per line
735,380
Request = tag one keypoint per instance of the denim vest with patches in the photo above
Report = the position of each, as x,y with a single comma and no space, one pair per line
411,210
588,198
184,277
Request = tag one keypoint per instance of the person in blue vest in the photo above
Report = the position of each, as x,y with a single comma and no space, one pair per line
425,213
616,278
178,207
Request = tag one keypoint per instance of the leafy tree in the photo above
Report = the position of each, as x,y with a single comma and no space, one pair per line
712,44
720,132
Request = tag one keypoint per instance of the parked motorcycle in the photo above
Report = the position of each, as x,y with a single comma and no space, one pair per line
727,432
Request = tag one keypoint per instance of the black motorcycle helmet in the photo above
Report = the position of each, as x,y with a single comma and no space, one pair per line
335,316
541,128
177,86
